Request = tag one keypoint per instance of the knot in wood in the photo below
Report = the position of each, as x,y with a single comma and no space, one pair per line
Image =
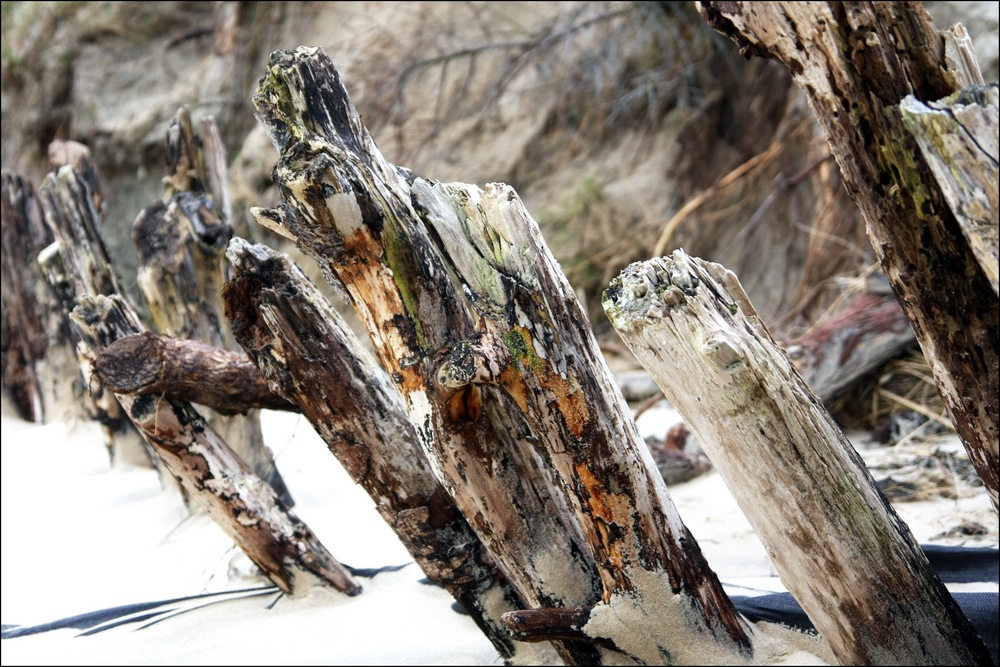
479,360
722,352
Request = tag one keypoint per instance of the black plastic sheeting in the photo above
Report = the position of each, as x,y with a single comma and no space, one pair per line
952,564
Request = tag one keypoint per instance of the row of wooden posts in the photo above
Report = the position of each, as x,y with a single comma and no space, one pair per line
487,427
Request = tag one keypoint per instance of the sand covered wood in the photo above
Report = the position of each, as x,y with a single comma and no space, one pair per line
837,544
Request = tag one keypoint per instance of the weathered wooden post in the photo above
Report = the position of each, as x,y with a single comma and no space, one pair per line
349,209
76,263
285,324
25,339
501,375
182,267
837,544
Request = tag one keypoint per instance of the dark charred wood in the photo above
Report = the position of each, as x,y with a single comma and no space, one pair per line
188,370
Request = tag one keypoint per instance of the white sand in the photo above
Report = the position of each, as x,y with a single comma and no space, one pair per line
79,535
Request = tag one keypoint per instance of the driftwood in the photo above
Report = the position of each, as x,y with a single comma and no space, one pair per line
368,241
837,544
225,381
501,375
285,324
182,267
76,263
174,434
24,341
858,63
854,342
215,478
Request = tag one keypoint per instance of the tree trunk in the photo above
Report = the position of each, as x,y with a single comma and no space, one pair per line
285,324
857,63
182,267
837,544
215,478
506,387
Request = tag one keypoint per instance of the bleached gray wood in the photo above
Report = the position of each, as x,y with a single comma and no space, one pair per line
837,544
958,138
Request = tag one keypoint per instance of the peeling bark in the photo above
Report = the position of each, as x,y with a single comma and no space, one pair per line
538,348
837,544
215,478
857,63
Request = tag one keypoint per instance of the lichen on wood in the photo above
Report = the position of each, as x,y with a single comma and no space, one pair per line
958,138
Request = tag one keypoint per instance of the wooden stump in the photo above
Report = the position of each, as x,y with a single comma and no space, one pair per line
514,406
837,544
25,340
285,324
77,263
182,267
958,139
